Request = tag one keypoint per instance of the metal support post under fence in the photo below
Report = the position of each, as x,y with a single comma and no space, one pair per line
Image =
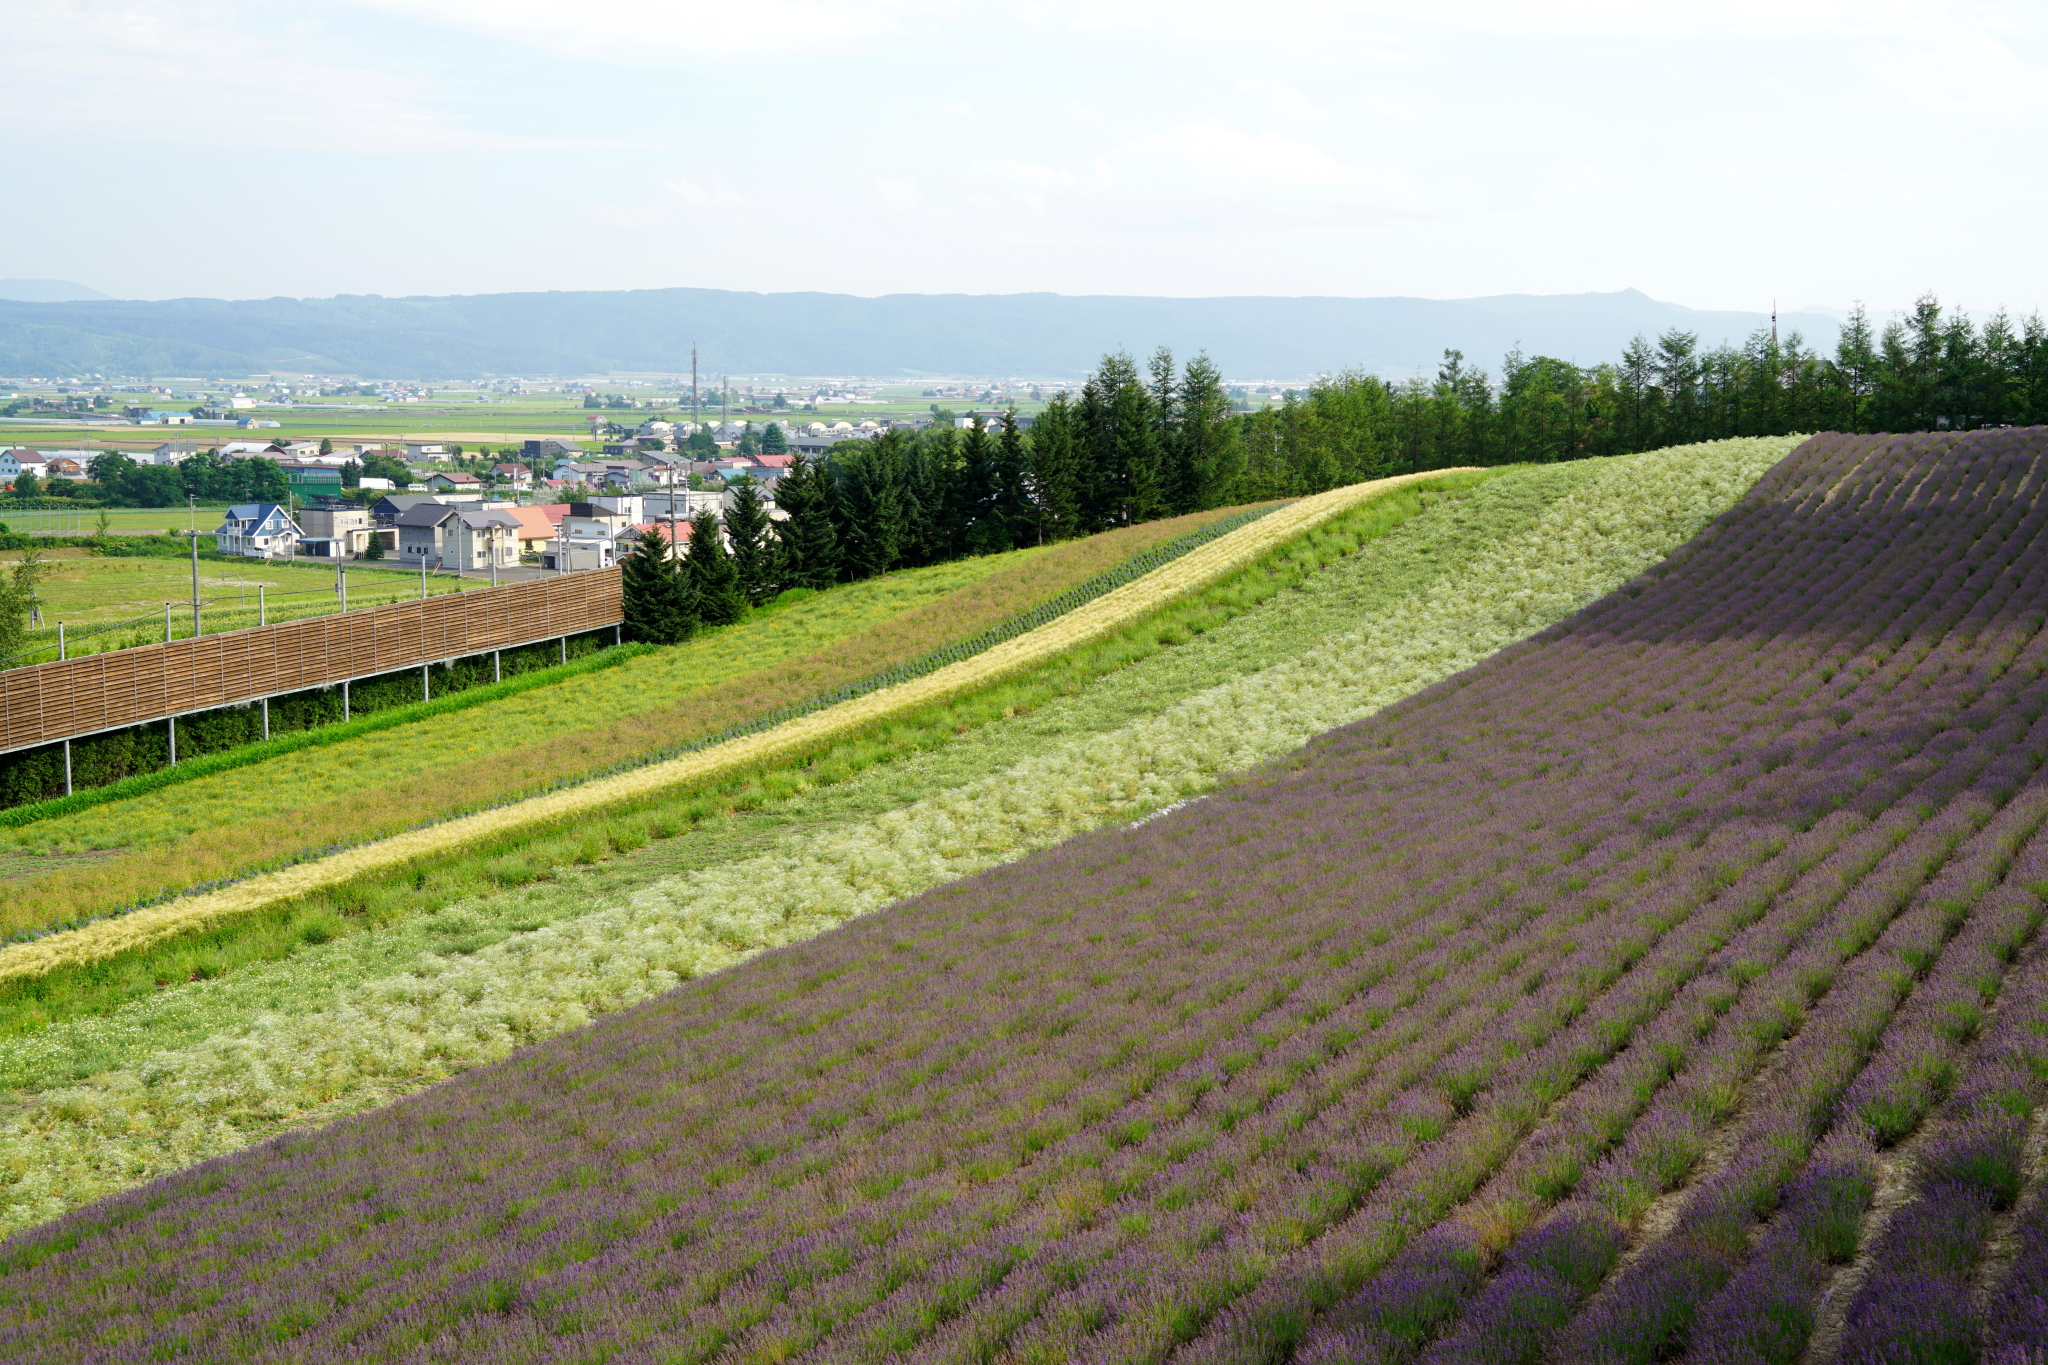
342,574
266,718
60,653
172,721
426,683
565,649
344,701
195,585
167,623
497,665
67,767
262,616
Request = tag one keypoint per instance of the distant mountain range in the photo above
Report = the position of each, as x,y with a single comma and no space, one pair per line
48,291
896,335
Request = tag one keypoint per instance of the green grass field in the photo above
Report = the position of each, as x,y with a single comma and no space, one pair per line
361,788
89,593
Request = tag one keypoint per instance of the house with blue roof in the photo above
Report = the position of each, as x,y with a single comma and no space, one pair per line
258,530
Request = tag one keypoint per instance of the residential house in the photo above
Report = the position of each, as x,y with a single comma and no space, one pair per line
22,460
548,448
590,532
674,535
817,443
66,467
683,503
308,451
336,532
169,453
457,537
486,537
444,481
425,450
257,530
386,510
515,476
536,527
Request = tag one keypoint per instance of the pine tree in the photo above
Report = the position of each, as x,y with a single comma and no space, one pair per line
1104,472
1209,456
660,601
978,526
1146,496
1013,494
753,549
1054,472
773,442
868,512
809,546
713,574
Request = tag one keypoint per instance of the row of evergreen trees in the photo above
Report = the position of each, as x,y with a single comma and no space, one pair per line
1139,444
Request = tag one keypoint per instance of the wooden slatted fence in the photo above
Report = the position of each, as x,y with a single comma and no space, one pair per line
49,702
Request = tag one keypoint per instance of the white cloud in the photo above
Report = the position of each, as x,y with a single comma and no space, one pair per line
657,31
220,75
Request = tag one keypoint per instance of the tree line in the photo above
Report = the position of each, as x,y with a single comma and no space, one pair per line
1139,443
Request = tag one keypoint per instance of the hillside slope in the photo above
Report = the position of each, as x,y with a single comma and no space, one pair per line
1081,1101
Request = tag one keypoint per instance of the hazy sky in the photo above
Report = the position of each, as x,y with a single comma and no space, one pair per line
1715,154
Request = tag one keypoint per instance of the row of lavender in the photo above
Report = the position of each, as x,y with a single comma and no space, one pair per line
1834,996
1383,1053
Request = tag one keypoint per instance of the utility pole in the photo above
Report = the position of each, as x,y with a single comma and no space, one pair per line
724,398
193,536
696,409
1774,324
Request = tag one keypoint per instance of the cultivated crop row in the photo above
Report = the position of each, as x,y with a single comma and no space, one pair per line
360,1033
1394,1049
153,924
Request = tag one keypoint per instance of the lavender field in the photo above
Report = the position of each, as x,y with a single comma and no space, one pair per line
1667,985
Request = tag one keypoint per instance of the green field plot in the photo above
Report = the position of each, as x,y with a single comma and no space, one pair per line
380,783
90,594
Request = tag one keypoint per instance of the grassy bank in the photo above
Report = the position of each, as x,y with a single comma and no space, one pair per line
377,784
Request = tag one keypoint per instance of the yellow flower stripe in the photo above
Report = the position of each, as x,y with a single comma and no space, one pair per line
151,925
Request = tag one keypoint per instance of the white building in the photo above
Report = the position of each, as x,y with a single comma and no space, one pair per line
257,530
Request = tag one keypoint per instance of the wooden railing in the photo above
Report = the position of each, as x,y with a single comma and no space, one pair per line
49,702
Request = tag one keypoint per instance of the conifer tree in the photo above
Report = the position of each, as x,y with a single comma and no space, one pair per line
868,512
713,573
980,526
773,442
1209,458
1013,489
808,544
1053,472
753,549
660,600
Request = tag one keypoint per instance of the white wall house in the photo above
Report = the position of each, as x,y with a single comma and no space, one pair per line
257,530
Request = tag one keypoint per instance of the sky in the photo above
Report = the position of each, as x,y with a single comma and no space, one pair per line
1721,155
